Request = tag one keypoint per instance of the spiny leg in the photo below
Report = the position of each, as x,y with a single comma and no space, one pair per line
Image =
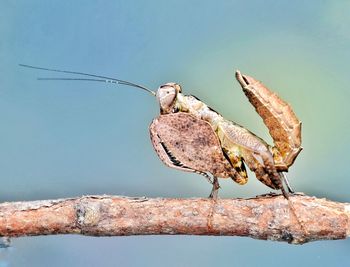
215,190
264,170
240,175
279,117
267,174
206,176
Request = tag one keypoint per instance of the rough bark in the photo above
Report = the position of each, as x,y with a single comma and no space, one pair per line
300,220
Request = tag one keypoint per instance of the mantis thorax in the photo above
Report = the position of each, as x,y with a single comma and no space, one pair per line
171,100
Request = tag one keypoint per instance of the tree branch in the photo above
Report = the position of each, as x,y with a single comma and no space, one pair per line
300,220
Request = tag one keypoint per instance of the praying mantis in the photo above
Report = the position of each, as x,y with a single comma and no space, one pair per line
190,136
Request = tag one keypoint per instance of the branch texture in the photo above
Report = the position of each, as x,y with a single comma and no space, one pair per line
299,220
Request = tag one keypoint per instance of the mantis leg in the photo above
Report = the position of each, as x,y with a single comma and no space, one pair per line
285,179
278,116
264,170
215,190
240,175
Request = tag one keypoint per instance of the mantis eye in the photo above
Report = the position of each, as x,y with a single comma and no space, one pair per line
166,96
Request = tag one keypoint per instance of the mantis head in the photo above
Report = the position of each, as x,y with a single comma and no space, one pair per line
166,96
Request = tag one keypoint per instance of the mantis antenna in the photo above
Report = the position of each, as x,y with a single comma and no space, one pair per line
98,78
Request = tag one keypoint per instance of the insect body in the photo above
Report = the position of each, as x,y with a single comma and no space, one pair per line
239,145
190,136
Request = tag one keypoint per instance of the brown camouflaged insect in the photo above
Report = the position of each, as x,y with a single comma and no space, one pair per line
184,119
190,136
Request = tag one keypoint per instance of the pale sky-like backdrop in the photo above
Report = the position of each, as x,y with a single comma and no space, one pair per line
64,139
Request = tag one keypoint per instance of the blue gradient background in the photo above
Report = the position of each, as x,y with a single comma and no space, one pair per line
63,139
